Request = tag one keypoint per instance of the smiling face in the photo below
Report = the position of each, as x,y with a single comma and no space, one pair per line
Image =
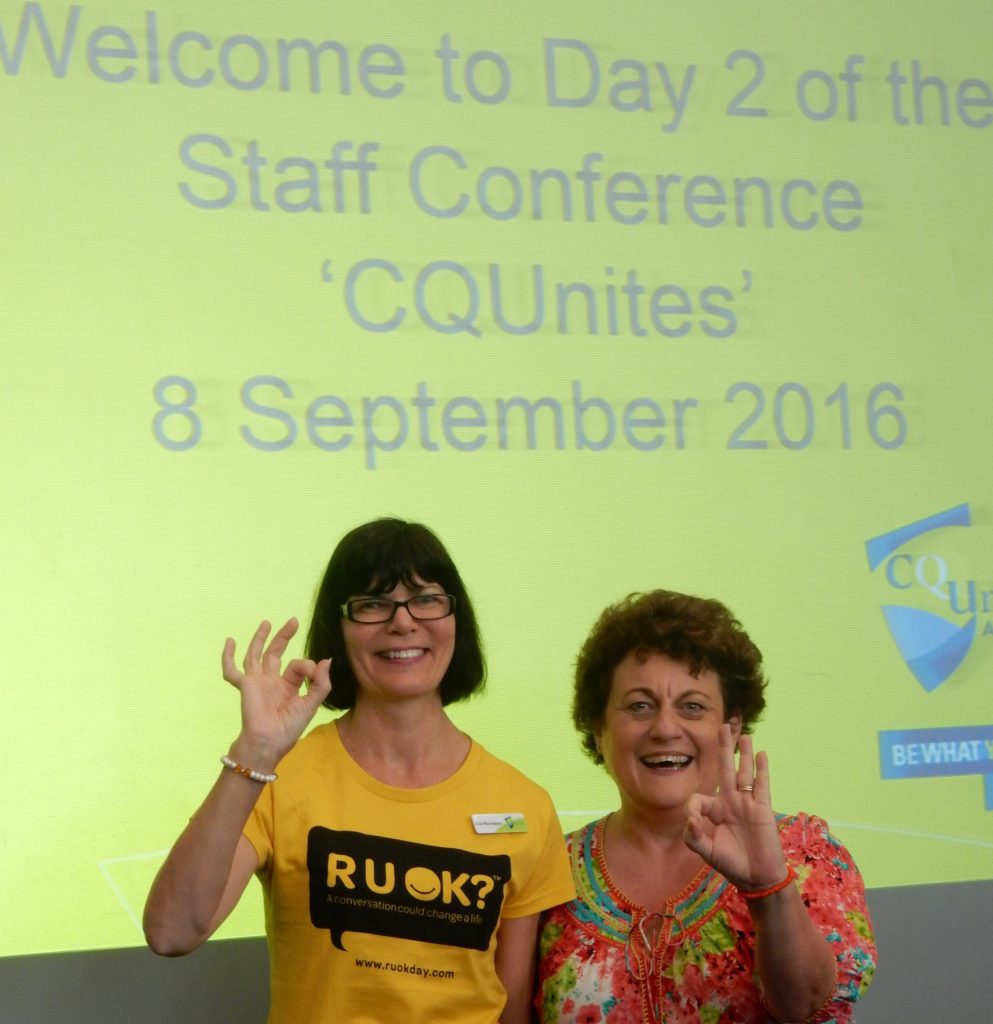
402,658
659,732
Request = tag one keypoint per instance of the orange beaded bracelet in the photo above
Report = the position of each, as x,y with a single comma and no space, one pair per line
757,894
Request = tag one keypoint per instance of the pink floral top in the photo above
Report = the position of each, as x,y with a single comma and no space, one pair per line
605,960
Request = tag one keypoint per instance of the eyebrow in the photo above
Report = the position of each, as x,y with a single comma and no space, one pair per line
648,692
638,689
414,588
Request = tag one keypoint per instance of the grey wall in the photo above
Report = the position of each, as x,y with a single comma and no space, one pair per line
933,941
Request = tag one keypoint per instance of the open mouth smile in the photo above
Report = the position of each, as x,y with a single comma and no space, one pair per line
666,762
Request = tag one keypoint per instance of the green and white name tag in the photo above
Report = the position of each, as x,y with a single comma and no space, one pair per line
487,824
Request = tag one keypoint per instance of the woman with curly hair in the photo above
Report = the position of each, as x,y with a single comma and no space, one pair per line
696,901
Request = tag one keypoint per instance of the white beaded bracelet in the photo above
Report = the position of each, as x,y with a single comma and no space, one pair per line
240,769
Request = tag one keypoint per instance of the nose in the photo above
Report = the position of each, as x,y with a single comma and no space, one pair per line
402,621
666,724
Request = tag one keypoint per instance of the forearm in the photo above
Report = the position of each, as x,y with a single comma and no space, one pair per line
197,885
515,963
794,960
210,865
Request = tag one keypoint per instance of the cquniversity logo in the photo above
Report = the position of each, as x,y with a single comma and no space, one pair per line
933,641
933,644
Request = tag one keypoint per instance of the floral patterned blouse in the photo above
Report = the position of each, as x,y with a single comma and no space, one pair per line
605,960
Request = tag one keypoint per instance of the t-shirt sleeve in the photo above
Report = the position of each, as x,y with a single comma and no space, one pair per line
834,892
548,878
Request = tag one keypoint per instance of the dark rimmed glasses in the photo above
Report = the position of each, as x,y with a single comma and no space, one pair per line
382,609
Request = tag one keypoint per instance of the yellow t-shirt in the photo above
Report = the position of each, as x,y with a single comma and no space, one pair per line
382,904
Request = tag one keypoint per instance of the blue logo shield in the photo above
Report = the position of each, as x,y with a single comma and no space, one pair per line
932,646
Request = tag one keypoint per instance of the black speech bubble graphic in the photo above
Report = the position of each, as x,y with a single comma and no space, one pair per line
381,886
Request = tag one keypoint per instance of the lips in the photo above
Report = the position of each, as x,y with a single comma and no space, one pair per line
669,762
403,653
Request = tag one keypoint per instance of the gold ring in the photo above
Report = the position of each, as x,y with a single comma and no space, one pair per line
745,789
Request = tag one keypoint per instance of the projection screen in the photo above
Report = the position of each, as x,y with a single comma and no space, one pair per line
613,297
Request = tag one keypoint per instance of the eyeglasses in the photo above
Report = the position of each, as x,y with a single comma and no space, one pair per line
382,609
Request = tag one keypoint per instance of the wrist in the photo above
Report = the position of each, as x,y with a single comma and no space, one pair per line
261,757
761,892
246,772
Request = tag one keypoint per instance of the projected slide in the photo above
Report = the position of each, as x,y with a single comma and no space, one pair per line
612,297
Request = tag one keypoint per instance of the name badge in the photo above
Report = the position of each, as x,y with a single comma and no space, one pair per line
488,824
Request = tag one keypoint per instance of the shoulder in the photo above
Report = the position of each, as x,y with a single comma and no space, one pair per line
500,773
320,734
582,838
826,870
809,834
583,850
320,745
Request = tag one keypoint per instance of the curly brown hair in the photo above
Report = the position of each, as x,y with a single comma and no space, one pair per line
697,632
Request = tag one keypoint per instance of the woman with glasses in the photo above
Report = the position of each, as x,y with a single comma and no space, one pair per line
403,866
696,902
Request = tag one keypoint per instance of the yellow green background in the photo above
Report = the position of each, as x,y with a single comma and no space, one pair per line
126,564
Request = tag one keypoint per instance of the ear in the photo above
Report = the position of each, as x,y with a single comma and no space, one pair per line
598,739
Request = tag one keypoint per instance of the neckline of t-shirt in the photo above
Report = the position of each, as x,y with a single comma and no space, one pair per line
423,794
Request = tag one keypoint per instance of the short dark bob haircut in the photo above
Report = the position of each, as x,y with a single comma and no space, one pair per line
373,559
697,632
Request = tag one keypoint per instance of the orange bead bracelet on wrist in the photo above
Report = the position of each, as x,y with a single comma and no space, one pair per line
757,894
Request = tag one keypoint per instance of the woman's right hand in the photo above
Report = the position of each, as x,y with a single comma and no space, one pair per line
274,713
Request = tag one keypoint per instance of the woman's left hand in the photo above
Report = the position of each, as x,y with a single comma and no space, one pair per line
735,829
